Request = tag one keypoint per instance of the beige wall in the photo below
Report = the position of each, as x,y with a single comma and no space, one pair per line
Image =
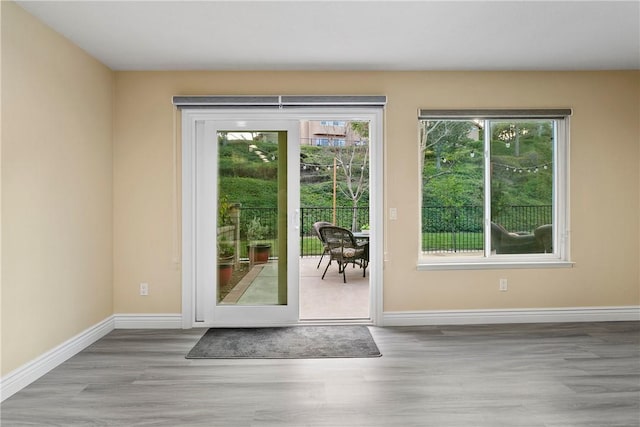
56,189
605,182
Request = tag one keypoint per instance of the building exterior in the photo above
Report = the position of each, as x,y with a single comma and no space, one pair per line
332,133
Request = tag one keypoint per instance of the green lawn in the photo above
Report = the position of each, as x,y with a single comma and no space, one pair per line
448,242
431,242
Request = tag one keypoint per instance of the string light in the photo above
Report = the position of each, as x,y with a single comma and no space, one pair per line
534,168
329,167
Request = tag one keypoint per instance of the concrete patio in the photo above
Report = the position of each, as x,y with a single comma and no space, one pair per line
319,299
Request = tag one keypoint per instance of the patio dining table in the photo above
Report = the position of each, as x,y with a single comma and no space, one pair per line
363,239
359,235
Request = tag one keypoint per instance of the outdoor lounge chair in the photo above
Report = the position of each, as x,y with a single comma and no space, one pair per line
344,249
544,236
316,229
505,242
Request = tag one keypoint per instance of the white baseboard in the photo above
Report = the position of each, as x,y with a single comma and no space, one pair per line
148,321
21,377
535,315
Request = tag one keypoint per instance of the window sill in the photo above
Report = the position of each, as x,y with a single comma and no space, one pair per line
425,265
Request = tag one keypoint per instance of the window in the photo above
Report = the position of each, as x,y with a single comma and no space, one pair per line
324,142
332,123
493,187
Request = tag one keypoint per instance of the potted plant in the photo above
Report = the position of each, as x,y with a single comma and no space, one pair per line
365,229
258,249
226,258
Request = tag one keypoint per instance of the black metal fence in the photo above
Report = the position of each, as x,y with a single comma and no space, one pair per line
460,228
444,228
347,217
437,219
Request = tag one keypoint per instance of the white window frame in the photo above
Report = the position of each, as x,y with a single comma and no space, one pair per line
561,248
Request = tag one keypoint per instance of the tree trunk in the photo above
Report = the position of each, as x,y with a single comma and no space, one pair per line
354,216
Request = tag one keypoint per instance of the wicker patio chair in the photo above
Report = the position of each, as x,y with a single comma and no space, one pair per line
316,229
344,249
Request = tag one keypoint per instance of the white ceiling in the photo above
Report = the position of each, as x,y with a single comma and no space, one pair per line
351,35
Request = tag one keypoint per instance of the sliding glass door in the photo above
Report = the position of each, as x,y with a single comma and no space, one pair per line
243,227
247,222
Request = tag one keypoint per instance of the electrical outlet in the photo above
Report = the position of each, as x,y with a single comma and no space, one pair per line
504,285
144,289
393,214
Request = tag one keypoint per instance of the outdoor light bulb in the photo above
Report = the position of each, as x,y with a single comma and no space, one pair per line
472,154
508,144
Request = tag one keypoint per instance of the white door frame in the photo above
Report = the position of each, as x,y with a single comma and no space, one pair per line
193,129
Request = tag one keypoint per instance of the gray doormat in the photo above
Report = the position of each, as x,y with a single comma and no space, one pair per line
296,342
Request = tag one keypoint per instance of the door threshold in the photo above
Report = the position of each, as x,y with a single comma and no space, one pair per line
336,322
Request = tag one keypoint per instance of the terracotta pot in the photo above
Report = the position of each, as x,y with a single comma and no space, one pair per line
259,253
225,270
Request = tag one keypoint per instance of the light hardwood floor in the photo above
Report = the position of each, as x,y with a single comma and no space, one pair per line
577,374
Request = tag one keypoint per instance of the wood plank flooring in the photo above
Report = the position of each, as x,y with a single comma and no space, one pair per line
569,374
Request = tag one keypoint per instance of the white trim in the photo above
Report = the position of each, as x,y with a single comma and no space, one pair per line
21,377
424,265
376,214
530,315
148,321
188,144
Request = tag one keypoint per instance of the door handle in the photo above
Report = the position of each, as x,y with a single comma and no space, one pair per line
296,219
